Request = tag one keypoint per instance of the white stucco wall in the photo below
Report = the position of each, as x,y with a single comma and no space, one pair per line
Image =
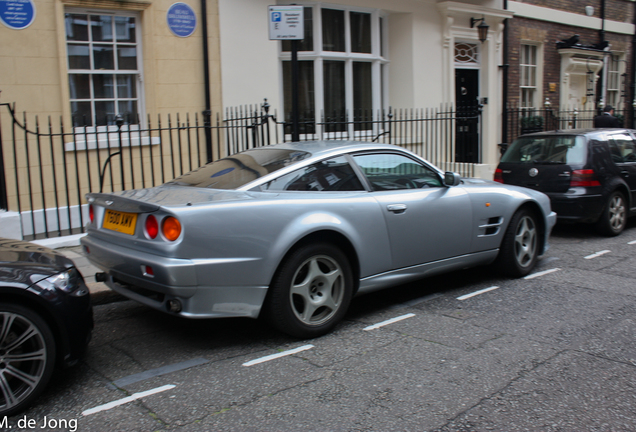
249,66
421,71
251,71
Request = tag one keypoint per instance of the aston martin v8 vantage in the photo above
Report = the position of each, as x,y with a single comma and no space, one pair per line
292,232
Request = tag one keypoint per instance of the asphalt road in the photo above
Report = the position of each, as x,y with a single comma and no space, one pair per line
470,351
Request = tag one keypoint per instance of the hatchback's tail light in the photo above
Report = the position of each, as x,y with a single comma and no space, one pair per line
171,228
498,175
91,213
152,227
584,178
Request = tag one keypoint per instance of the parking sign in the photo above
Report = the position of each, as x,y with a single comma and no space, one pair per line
286,22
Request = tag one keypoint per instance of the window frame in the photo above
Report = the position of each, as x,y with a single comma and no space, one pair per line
100,133
613,95
378,59
533,101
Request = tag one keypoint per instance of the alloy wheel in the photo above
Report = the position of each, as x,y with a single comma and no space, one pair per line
617,212
317,290
525,241
23,359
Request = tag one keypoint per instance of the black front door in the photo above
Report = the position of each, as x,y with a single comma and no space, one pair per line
467,127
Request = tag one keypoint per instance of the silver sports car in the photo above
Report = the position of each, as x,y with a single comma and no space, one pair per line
293,231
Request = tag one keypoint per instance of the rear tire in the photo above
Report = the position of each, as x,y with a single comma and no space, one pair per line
27,357
614,217
311,291
520,246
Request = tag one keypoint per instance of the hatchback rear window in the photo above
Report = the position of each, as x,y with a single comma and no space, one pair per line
561,149
237,170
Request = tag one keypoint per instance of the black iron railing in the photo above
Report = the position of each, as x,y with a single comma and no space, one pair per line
48,168
527,120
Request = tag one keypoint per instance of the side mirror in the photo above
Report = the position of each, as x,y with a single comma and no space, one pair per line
451,178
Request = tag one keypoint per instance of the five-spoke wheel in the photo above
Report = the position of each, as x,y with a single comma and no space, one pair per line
519,248
311,291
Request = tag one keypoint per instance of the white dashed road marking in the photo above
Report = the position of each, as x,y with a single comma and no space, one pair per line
545,272
485,290
597,254
279,355
632,242
111,405
387,322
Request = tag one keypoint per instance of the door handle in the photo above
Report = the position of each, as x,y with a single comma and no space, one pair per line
396,208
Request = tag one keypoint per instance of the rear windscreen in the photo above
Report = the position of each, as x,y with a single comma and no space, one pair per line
561,149
235,171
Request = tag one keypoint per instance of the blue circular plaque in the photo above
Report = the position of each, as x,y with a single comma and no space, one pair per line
181,19
17,14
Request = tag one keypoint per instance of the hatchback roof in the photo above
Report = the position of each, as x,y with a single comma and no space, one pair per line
589,132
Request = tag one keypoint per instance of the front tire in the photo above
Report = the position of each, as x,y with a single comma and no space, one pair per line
614,216
27,357
520,246
311,292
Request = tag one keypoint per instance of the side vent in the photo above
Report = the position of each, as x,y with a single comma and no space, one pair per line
491,227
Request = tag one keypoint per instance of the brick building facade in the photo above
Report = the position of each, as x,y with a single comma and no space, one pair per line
571,54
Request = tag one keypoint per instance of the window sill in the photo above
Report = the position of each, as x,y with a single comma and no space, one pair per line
110,141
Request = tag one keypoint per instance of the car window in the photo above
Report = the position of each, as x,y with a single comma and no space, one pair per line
394,172
330,175
560,149
237,170
622,148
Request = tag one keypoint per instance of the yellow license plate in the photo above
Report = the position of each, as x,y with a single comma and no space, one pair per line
120,221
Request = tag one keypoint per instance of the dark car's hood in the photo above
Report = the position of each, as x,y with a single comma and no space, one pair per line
25,263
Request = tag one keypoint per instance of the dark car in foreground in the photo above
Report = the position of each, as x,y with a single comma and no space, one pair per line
589,174
293,231
46,320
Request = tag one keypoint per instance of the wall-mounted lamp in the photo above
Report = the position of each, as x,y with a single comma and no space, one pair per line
547,104
482,28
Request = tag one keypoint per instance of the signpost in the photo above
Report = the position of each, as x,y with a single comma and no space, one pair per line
288,23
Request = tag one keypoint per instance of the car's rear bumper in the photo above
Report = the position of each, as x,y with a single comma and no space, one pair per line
577,208
190,282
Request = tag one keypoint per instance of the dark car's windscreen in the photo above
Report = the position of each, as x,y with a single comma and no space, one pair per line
558,149
235,171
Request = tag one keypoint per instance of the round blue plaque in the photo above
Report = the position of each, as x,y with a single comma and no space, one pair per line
17,14
181,20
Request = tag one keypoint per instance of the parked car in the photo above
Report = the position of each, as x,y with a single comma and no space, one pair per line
46,320
589,174
293,231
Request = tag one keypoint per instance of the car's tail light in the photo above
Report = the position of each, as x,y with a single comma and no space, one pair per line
498,175
91,213
152,227
583,178
171,228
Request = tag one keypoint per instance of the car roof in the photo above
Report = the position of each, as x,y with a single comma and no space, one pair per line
327,147
590,133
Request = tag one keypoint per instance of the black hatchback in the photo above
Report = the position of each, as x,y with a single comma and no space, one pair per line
589,174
